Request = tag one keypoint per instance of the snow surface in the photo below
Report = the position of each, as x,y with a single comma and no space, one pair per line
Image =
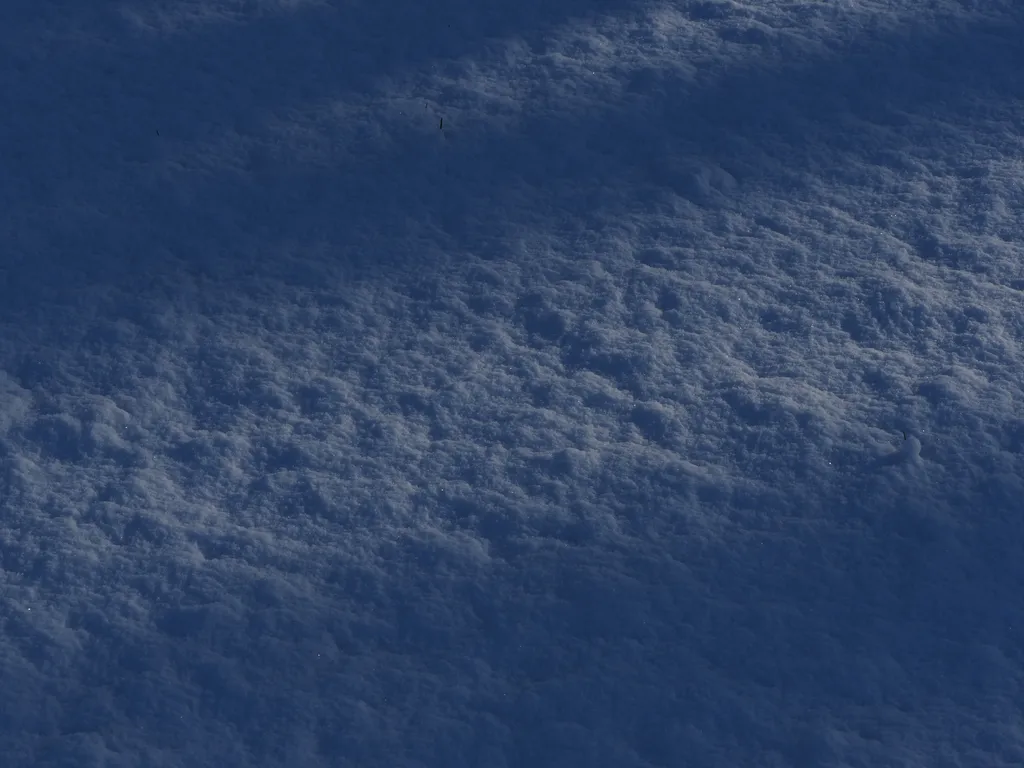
662,408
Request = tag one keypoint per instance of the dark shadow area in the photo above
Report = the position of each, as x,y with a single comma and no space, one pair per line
126,83
76,106
764,124
80,108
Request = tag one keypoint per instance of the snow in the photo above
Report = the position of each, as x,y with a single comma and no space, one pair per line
659,407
